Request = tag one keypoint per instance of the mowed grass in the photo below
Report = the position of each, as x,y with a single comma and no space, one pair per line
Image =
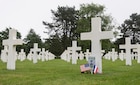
59,72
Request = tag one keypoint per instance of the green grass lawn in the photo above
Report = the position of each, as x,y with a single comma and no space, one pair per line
59,72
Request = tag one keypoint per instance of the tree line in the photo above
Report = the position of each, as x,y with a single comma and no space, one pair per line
69,22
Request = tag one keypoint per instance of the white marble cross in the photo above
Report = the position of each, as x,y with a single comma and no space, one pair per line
87,54
22,55
74,48
107,55
63,55
132,55
66,55
113,54
121,55
47,55
11,43
43,54
51,56
35,50
4,54
128,46
81,55
138,53
96,35
30,56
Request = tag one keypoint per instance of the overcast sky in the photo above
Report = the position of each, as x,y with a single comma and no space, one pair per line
25,14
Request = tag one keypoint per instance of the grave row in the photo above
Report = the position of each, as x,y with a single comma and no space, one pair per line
34,55
112,55
96,35
67,55
40,55
10,55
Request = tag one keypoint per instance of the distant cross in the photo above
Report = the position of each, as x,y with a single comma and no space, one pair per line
121,55
87,54
68,55
113,54
47,55
22,55
74,48
109,55
96,35
138,53
63,55
30,56
35,51
81,55
51,56
11,43
43,52
4,54
128,46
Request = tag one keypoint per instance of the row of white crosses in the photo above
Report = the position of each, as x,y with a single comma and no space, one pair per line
128,55
67,55
10,55
128,46
71,53
111,55
36,54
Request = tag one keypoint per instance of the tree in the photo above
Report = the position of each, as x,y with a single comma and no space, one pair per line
32,38
64,27
131,28
55,45
86,12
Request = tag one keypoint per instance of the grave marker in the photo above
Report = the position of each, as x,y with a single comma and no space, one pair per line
4,54
138,53
81,55
122,55
11,42
30,56
35,51
47,55
128,46
43,54
96,35
74,48
87,54
113,54
22,55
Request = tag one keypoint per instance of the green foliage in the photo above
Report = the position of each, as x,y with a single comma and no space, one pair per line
32,38
59,72
63,28
131,28
55,46
107,45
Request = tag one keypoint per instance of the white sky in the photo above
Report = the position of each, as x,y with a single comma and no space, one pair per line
25,14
